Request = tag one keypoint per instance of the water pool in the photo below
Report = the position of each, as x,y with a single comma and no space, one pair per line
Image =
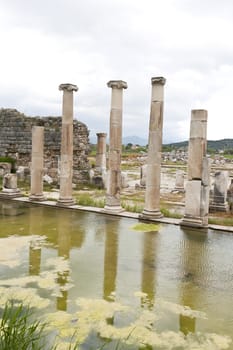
96,276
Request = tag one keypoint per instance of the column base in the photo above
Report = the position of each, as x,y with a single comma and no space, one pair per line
113,209
179,189
151,214
65,202
10,193
194,221
223,207
37,197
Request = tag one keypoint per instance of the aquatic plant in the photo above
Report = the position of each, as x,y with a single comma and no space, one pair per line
20,331
17,329
144,227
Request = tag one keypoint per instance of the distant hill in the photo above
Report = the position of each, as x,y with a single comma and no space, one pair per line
216,145
135,140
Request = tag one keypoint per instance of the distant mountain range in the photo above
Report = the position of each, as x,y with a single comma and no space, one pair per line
216,145
135,140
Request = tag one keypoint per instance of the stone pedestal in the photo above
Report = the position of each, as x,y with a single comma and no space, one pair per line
115,144
179,184
219,195
66,164
37,164
100,164
9,188
152,196
197,186
230,196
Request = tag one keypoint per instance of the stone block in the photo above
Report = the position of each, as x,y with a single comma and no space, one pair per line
193,198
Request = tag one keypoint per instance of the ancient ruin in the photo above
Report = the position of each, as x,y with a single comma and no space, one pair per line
115,144
9,187
198,184
100,164
66,167
218,200
37,164
152,196
16,142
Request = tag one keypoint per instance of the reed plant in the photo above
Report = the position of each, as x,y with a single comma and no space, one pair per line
18,331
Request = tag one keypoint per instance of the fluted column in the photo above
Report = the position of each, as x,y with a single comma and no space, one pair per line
101,152
66,170
115,145
37,165
152,195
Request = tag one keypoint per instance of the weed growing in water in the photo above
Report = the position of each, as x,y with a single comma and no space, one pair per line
18,331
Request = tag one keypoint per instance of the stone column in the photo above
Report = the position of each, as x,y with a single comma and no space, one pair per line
115,144
37,165
66,170
152,196
101,152
197,186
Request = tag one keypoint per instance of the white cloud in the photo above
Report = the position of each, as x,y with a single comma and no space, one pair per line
45,43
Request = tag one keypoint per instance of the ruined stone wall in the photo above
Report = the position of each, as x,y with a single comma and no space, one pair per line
16,139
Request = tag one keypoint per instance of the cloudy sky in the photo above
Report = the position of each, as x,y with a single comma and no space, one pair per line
88,42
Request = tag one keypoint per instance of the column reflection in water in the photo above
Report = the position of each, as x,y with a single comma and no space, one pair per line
63,242
35,223
193,262
150,241
110,258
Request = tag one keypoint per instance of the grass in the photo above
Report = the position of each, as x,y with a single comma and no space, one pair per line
88,200
132,207
168,214
224,221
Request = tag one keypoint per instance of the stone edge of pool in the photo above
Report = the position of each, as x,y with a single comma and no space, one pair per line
125,214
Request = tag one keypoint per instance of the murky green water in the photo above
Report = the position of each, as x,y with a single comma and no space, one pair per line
96,276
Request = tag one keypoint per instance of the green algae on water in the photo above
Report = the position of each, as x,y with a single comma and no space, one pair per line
145,227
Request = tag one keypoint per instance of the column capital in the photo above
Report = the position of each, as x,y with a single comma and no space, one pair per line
158,80
199,114
117,84
68,87
101,134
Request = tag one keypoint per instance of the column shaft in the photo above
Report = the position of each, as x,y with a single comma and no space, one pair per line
37,165
115,145
66,164
101,152
152,195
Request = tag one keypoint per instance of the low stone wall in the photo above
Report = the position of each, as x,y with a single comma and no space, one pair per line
16,140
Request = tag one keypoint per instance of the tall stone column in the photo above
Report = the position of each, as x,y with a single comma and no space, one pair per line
66,168
37,165
115,144
152,195
197,186
101,152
